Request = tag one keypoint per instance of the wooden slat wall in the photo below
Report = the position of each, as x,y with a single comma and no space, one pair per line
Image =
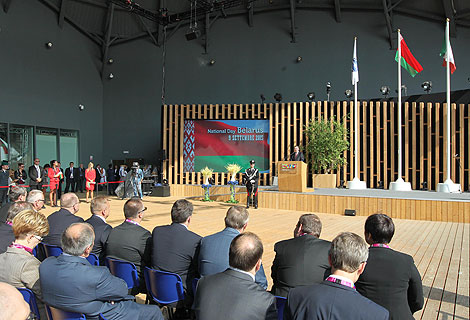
424,139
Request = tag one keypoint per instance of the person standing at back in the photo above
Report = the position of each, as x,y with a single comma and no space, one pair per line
390,278
36,175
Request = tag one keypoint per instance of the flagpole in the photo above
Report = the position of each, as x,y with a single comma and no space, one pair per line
448,101
399,184
448,185
356,183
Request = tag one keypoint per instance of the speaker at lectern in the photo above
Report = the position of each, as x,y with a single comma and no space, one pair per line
292,176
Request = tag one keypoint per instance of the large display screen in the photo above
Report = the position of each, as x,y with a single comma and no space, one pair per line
216,143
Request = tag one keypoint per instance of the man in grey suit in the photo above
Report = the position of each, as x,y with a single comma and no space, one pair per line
131,242
213,253
99,291
233,294
302,260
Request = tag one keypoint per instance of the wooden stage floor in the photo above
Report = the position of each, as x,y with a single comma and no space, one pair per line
440,249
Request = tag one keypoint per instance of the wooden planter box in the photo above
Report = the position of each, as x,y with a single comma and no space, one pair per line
324,180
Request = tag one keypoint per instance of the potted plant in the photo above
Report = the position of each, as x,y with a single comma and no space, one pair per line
326,142
206,174
233,169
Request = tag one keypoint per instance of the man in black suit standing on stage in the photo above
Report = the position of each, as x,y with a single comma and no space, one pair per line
251,178
302,260
71,178
390,278
336,297
233,294
297,155
35,174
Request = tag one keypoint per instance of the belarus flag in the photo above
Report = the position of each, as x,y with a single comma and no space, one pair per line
447,55
407,60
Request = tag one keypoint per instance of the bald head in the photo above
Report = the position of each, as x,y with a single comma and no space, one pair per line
246,250
70,202
12,304
77,239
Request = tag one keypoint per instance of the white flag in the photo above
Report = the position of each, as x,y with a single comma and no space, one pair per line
354,68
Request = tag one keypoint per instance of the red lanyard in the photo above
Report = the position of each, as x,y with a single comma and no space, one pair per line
341,281
20,246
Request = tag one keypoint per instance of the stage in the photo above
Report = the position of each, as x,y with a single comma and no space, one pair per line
413,205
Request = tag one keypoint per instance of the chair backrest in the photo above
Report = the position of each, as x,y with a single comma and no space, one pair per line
57,314
124,270
280,304
194,285
35,251
164,287
93,259
30,298
52,250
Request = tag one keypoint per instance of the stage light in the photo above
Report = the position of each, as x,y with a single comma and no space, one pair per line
110,61
341,184
278,97
212,62
111,76
380,184
427,86
385,90
193,33
348,93
403,89
328,90
299,59
263,98
424,186
311,96
49,45
81,107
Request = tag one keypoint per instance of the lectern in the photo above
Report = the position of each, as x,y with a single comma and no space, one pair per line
292,176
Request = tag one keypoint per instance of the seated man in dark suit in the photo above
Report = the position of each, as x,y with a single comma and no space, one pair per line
131,242
60,220
213,253
16,194
302,260
100,211
6,230
336,297
390,278
175,247
85,288
233,294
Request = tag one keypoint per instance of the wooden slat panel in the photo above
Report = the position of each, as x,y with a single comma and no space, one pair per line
363,144
393,148
378,144
413,143
171,145
287,128
372,145
180,181
437,145
283,130
429,144
165,137
462,147
421,144
406,143
385,143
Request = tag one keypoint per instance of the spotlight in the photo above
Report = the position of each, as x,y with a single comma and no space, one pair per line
380,184
263,98
427,86
299,59
403,89
81,107
212,62
341,184
110,61
311,96
348,93
193,33
328,90
49,45
424,186
385,91
278,97
111,76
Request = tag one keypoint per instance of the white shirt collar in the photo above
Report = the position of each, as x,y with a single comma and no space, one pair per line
184,226
245,272
69,255
101,217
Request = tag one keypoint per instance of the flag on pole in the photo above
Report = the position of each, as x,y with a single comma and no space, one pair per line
407,60
446,55
354,69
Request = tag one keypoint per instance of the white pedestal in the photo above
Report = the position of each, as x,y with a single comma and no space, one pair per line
356,184
449,187
400,185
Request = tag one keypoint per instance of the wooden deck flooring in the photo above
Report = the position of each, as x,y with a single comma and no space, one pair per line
440,249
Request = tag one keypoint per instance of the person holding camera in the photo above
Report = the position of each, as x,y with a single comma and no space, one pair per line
137,175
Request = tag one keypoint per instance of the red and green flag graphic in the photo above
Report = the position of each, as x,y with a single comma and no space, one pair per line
407,60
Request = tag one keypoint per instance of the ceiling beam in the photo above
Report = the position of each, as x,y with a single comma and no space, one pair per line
388,20
148,31
292,20
6,5
250,14
337,10
63,5
108,28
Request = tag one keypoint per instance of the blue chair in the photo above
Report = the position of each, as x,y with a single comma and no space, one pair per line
93,259
165,288
51,250
57,314
124,270
35,251
30,298
280,304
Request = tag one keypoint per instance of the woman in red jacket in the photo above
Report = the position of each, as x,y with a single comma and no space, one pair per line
54,175
90,176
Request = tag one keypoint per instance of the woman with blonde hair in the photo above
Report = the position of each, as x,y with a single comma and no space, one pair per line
90,177
18,266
